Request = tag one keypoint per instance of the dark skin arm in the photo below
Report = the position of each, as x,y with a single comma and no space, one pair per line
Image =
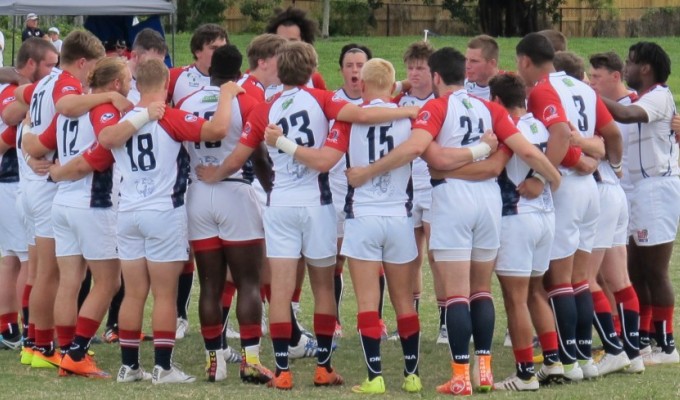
262,167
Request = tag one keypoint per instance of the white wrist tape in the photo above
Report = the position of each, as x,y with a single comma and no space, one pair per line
286,145
138,120
480,150
539,177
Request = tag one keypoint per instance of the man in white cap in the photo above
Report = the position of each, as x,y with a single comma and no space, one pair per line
31,29
53,33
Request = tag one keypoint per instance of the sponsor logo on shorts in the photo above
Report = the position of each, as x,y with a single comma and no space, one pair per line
642,236
190,118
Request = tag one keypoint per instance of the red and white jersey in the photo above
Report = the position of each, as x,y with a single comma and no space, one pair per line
420,173
43,96
389,194
184,81
252,86
459,120
337,173
203,103
315,82
483,92
516,171
75,137
153,163
652,148
303,114
560,98
9,165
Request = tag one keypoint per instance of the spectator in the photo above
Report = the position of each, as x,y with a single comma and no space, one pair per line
31,29
53,33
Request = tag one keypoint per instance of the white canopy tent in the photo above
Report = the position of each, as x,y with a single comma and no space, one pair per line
88,7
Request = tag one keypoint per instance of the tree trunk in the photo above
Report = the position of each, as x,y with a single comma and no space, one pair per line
326,18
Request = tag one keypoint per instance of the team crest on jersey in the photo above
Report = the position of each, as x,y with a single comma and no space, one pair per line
296,169
190,118
145,187
423,117
210,99
333,136
193,80
642,236
209,160
246,130
287,103
567,81
67,89
381,184
550,113
337,99
106,117
8,100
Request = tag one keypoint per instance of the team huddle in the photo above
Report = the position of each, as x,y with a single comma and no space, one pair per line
561,179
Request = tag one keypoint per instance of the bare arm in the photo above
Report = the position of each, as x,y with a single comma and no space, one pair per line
626,114
14,113
10,75
558,142
75,105
31,145
73,170
321,160
262,167
4,147
375,115
593,146
476,171
613,142
231,164
400,155
531,155
450,158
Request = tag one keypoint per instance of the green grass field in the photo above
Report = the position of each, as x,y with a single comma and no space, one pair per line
18,382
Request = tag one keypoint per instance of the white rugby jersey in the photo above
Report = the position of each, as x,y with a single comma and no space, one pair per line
337,173
483,92
74,137
43,97
303,114
133,95
605,173
653,150
154,164
315,81
9,165
459,120
516,171
184,81
420,173
203,103
561,98
386,195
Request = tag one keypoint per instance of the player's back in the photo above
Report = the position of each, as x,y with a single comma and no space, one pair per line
466,119
578,100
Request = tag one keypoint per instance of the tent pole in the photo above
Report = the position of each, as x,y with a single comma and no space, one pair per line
14,32
174,29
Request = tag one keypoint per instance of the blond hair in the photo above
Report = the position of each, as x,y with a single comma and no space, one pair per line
107,70
151,75
297,62
263,47
378,73
487,45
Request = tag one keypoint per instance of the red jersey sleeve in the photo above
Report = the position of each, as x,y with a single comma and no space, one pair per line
28,92
318,82
602,114
246,104
254,88
329,102
338,136
49,137
503,126
102,116
181,125
98,157
174,76
397,98
432,115
65,85
545,104
7,96
9,136
253,129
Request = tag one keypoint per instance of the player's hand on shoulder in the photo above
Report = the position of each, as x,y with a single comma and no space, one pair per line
530,188
231,88
491,139
357,176
156,110
413,111
207,173
121,102
272,133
